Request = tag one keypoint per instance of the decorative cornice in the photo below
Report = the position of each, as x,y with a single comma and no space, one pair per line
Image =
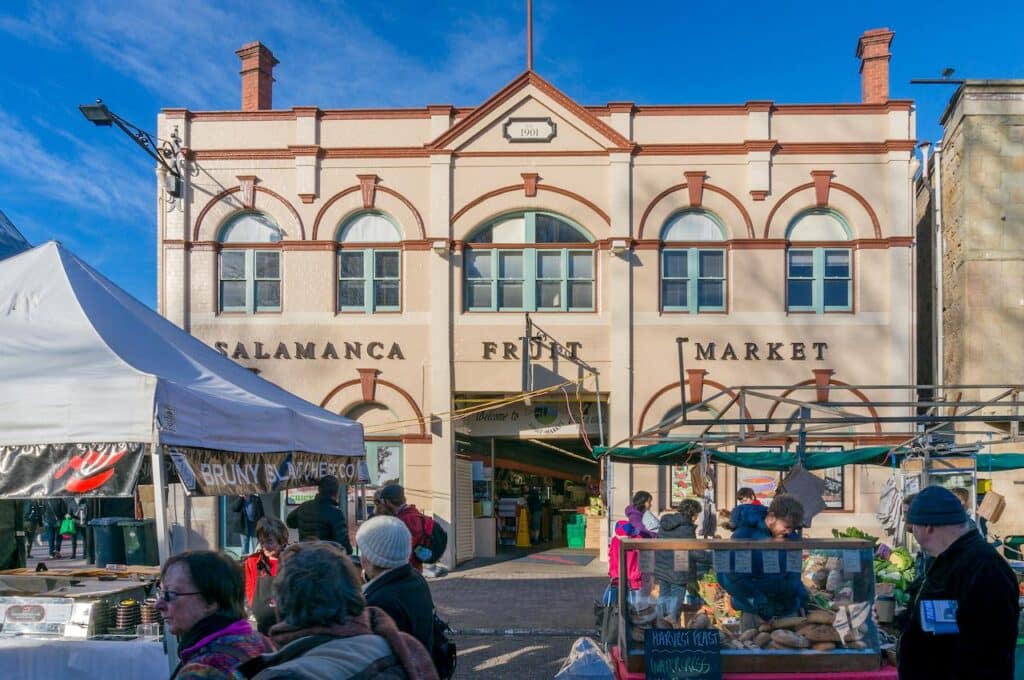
529,78
875,224
758,194
748,223
307,198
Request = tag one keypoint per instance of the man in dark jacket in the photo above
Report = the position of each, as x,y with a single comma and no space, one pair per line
391,501
54,510
393,585
969,583
767,593
250,512
321,518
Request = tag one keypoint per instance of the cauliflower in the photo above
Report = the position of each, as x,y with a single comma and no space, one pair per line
901,559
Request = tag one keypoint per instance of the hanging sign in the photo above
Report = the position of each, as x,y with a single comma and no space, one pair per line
670,654
221,473
48,470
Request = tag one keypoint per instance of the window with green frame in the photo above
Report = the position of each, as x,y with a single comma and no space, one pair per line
249,278
819,279
542,269
369,278
692,278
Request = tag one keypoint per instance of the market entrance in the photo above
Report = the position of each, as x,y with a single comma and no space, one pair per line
527,493
532,468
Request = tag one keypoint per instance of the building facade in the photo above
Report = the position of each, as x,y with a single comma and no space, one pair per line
972,196
382,263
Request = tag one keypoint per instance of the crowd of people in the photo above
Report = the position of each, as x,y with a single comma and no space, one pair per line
309,610
958,572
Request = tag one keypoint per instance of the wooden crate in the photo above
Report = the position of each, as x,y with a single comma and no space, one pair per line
592,538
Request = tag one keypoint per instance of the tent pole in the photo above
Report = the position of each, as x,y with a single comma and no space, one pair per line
159,498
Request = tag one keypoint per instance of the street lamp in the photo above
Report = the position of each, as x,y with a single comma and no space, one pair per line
167,150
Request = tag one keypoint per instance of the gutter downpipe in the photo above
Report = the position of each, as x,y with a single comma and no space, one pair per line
940,245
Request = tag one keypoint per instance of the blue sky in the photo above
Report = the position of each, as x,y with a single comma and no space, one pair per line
61,178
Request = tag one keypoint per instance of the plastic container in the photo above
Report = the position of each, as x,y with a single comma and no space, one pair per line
576,535
140,542
109,540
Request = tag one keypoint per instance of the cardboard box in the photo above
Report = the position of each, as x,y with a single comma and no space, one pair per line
992,507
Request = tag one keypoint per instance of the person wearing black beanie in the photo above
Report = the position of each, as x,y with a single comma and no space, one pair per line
962,622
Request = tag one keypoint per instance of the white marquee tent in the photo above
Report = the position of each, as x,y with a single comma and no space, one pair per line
91,377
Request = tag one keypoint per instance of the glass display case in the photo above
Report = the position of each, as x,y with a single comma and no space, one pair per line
778,606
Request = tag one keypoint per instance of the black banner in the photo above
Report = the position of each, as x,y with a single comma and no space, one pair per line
204,472
47,470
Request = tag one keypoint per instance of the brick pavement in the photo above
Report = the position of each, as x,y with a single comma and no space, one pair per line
517,616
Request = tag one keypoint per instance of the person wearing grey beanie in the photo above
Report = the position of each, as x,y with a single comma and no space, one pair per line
384,544
962,621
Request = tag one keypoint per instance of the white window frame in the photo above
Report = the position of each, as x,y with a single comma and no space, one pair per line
530,280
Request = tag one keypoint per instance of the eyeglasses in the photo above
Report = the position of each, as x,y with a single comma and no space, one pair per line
169,596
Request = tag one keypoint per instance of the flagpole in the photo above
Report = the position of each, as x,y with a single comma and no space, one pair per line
529,35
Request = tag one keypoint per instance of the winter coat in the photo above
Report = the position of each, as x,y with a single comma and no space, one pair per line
404,594
257,509
259,572
322,519
674,525
636,517
985,589
748,522
416,522
624,529
54,510
767,595
216,656
365,646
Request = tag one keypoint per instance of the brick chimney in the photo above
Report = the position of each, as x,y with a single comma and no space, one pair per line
873,52
257,76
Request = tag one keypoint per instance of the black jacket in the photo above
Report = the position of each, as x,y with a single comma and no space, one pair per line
320,519
985,588
404,594
257,509
54,510
673,525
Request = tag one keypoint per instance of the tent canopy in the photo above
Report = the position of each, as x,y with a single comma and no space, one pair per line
681,453
83,363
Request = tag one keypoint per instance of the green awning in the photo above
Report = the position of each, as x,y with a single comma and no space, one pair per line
680,453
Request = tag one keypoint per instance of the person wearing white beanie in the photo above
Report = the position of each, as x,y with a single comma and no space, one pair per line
384,544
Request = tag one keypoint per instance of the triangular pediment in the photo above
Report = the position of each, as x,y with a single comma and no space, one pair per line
529,115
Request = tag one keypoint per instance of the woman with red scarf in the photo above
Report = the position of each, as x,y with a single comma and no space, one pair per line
260,568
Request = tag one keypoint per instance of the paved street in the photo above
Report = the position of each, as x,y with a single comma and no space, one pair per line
517,616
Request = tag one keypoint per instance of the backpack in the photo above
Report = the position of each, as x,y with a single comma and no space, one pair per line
443,654
434,542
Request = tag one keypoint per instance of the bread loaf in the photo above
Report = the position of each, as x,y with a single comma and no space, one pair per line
762,639
819,632
821,616
823,646
791,622
790,639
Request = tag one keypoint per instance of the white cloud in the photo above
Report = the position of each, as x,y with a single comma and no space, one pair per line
87,178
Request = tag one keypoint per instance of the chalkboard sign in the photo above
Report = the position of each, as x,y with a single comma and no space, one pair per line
672,654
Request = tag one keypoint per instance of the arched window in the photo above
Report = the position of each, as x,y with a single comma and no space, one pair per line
819,277
369,267
692,275
250,277
530,261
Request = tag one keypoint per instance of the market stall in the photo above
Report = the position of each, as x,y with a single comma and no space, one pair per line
664,629
94,381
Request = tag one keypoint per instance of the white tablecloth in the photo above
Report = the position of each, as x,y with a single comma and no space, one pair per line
28,659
